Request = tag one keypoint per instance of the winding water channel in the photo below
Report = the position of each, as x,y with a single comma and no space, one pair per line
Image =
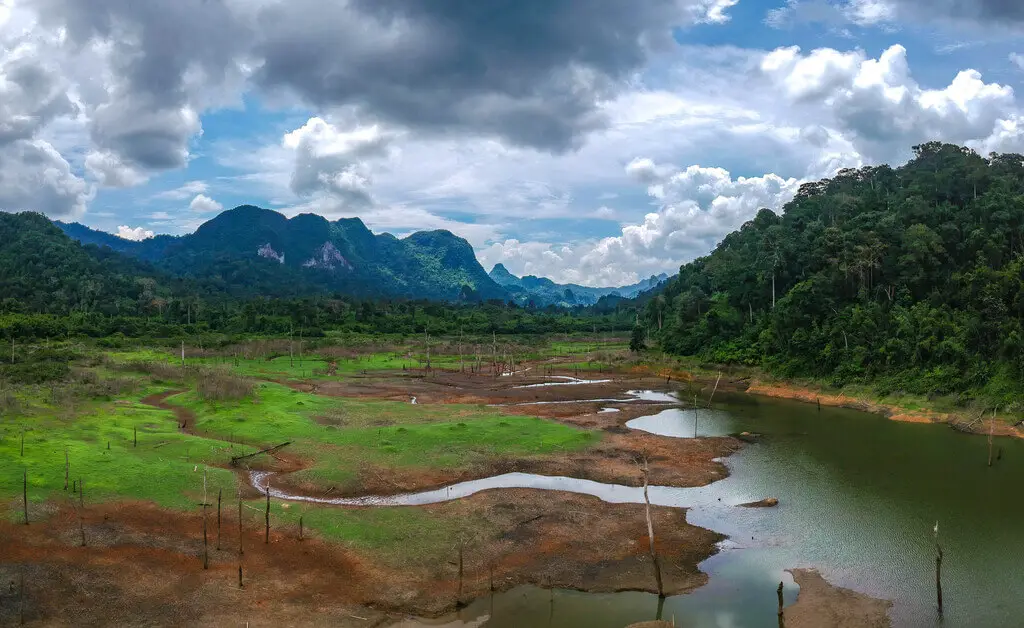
859,496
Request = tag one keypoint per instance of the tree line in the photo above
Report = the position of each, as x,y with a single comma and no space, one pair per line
910,279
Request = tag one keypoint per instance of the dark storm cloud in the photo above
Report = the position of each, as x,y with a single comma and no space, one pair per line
981,10
154,45
530,71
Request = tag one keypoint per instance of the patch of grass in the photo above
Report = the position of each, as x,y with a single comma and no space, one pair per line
378,433
400,536
166,466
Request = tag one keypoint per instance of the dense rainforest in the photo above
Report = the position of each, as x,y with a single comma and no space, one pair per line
907,278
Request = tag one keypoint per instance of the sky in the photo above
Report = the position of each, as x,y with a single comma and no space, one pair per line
590,141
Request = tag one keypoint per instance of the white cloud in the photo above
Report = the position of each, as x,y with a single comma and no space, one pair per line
136,234
1017,59
35,177
877,105
335,162
204,204
182,192
108,168
698,206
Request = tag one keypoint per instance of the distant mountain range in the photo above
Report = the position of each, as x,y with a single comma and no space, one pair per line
542,291
249,251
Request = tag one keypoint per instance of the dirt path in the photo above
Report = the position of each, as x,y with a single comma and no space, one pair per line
183,415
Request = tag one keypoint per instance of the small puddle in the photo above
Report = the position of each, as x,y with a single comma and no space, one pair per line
571,381
680,423
606,410
635,395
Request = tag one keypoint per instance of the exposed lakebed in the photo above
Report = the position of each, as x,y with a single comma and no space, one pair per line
859,496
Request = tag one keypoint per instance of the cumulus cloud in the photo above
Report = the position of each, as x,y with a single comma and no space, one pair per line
136,234
111,171
1002,13
880,107
204,204
332,161
463,66
35,177
698,206
190,188
1017,59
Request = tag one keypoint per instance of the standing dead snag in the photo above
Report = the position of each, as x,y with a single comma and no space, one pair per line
240,550
779,592
938,568
266,538
458,600
219,491
24,494
991,432
206,546
650,532
81,510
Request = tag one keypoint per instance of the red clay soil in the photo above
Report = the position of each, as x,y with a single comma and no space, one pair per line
183,415
893,412
143,565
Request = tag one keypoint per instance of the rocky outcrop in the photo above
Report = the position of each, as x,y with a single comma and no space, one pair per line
268,252
327,257
767,502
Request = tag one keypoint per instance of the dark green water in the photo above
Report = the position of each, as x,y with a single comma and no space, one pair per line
859,497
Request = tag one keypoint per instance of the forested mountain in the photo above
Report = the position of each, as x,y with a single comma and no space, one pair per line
252,251
542,291
42,270
911,278
51,285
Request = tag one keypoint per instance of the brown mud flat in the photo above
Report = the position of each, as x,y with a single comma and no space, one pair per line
823,605
143,565
892,412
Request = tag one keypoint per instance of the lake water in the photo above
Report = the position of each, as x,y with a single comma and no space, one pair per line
859,496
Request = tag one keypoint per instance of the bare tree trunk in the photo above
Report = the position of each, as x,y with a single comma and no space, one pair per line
773,289
650,534
135,436
300,527
458,600
938,574
219,491
462,367
266,538
24,494
206,546
183,354
81,509
991,429
21,597
240,550
67,467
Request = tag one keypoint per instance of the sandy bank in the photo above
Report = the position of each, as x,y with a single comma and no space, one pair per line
822,605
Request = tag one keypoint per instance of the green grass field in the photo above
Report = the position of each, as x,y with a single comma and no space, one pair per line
339,437
96,418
